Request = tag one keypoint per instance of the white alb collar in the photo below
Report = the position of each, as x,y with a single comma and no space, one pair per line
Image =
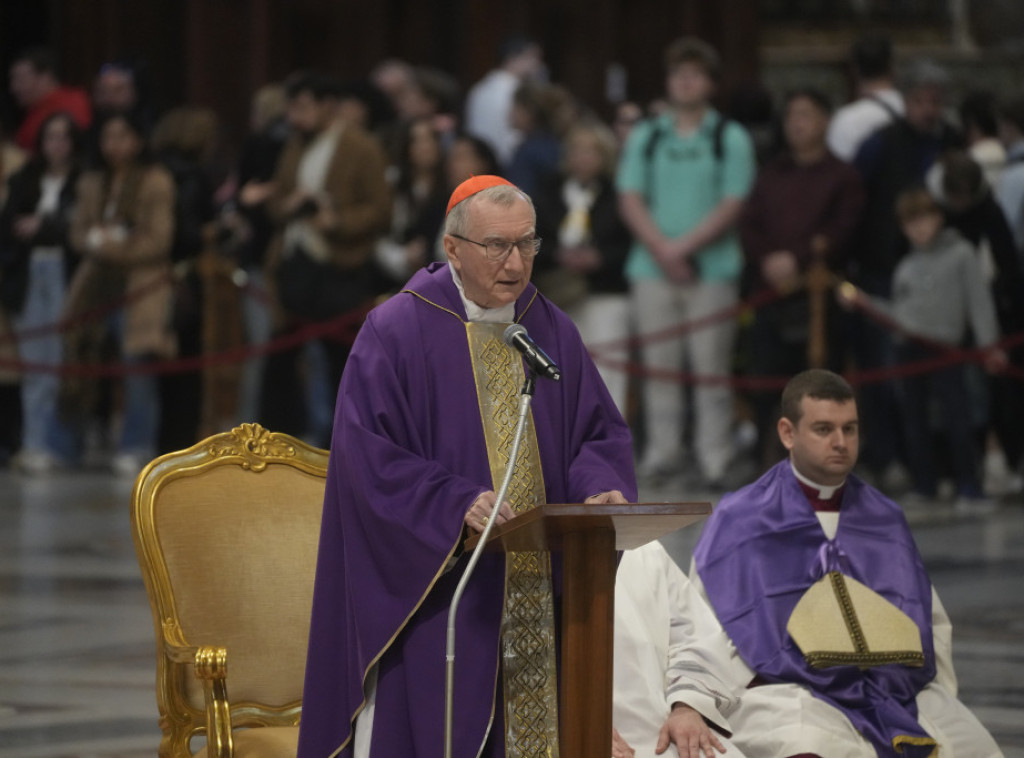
504,314
824,492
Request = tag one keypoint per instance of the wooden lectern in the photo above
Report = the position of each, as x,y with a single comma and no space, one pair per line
588,537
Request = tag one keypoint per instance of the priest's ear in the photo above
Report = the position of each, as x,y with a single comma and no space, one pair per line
787,431
451,251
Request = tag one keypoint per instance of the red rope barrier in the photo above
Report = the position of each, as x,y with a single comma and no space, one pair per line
758,300
342,327
93,314
948,355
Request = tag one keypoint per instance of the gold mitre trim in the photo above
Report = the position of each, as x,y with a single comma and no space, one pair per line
841,622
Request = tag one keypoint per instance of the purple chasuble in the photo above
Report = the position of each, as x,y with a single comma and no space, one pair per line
408,458
763,547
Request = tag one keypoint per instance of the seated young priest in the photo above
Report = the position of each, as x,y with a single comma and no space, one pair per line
815,577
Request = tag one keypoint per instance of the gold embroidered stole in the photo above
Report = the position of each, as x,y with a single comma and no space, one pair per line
528,623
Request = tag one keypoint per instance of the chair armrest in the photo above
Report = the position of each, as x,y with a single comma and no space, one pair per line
211,668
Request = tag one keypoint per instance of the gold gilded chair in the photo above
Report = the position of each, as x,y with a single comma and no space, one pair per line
226,533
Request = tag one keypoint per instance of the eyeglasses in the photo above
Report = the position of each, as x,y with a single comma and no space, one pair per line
499,250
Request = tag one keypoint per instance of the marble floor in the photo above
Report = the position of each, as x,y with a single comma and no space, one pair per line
76,636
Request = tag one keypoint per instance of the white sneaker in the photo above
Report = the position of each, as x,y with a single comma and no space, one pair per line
895,480
658,472
997,477
35,462
1014,484
127,464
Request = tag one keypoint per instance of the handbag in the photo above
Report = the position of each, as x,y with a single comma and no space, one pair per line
317,291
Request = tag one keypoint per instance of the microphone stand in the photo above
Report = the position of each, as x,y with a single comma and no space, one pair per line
526,396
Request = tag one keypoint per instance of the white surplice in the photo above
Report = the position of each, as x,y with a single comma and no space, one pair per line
669,647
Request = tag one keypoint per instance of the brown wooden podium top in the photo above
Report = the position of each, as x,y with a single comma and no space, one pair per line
634,524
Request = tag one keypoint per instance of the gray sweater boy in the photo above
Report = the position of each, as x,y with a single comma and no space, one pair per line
938,290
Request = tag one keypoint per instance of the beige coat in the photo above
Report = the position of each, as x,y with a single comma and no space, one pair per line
358,190
141,260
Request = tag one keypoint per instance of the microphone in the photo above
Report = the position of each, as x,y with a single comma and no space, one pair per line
516,336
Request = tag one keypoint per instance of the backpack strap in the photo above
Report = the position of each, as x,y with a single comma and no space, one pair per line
718,139
893,113
649,147
657,132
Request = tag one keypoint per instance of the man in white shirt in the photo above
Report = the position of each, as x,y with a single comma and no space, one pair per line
489,102
878,103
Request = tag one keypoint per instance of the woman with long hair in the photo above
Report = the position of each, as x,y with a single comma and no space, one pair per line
123,228
420,197
36,263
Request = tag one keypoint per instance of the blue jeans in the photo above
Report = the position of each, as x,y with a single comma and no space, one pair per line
42,430
259,323
141,412
141,404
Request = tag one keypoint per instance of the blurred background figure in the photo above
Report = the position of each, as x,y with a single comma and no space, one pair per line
753,106
432,94
539,114
114,89
123,229
468,156
939,298
392,77
1010,191
682,181
627,115
35,264
420,199
37,89
12,158
585,248
251,230
878,102
362,104
489,102
184,141
329,202
120,87
804,208
895,158
997,401
980,125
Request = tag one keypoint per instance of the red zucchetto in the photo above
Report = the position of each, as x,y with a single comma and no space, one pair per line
473,185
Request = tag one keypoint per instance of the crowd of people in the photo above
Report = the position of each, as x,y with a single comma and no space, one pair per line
673,213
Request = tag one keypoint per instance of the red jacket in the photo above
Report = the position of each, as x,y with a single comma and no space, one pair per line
71,100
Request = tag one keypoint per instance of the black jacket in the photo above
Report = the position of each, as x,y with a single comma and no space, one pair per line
24,190
985,221
609,234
